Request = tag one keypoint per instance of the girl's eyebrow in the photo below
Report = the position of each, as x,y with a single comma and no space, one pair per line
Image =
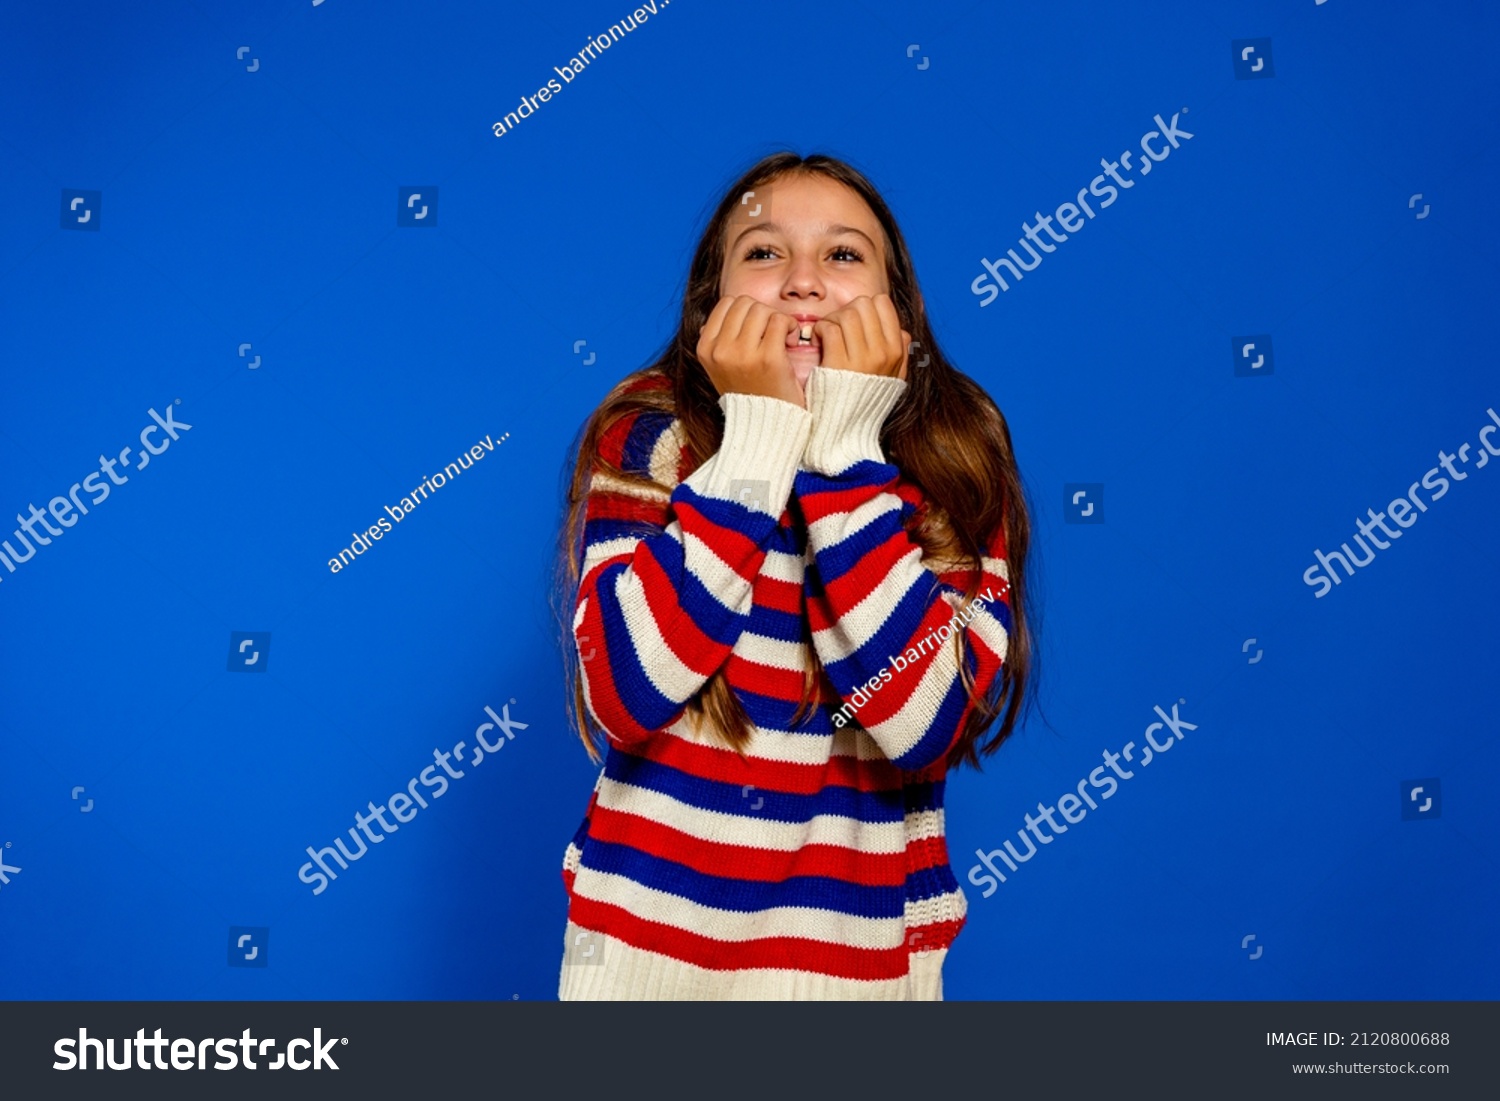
772,227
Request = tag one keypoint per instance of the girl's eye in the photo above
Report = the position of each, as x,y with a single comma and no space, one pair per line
758,252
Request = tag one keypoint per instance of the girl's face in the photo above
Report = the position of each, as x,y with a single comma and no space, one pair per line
813,247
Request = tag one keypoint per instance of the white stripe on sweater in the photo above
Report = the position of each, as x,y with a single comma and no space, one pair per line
829,926
780,566
750,828
828,531
790,747
921,825
630,972
774,653
897,734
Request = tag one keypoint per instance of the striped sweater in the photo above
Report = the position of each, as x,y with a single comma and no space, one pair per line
815,866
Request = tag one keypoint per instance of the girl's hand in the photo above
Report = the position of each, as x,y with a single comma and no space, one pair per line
743,348
865,336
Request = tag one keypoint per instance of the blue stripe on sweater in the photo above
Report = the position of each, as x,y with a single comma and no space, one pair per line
929,883
582,833
778,806
601,529
1000,609
844,556
924,796
773,713
812,581
774,623
744,896
645,702
934,741
635,456
789,540
722,624
892,639
866,472
756,526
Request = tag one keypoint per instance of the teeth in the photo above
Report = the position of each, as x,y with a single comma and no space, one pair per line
806,331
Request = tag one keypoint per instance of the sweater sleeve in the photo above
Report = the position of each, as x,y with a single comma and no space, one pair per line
667,576
881,619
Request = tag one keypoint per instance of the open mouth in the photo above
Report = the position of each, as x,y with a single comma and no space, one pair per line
803,338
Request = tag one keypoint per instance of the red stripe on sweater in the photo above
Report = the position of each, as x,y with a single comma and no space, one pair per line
604,699
766,680
725,766
893,695
743,861
736,550
589,585
815,506
793,953
869,573
622,506
930,852
781,596
683,637
612,440
929,938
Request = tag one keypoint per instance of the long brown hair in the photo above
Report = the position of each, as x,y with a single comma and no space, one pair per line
946,435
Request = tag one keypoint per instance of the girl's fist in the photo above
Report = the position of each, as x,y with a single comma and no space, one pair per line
742,347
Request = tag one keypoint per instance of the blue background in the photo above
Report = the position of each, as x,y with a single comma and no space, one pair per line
260,207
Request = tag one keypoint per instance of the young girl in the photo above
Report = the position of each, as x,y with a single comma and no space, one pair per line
795,556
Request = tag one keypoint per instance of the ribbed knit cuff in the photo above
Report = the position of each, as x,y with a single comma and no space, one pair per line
764,438
848,409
